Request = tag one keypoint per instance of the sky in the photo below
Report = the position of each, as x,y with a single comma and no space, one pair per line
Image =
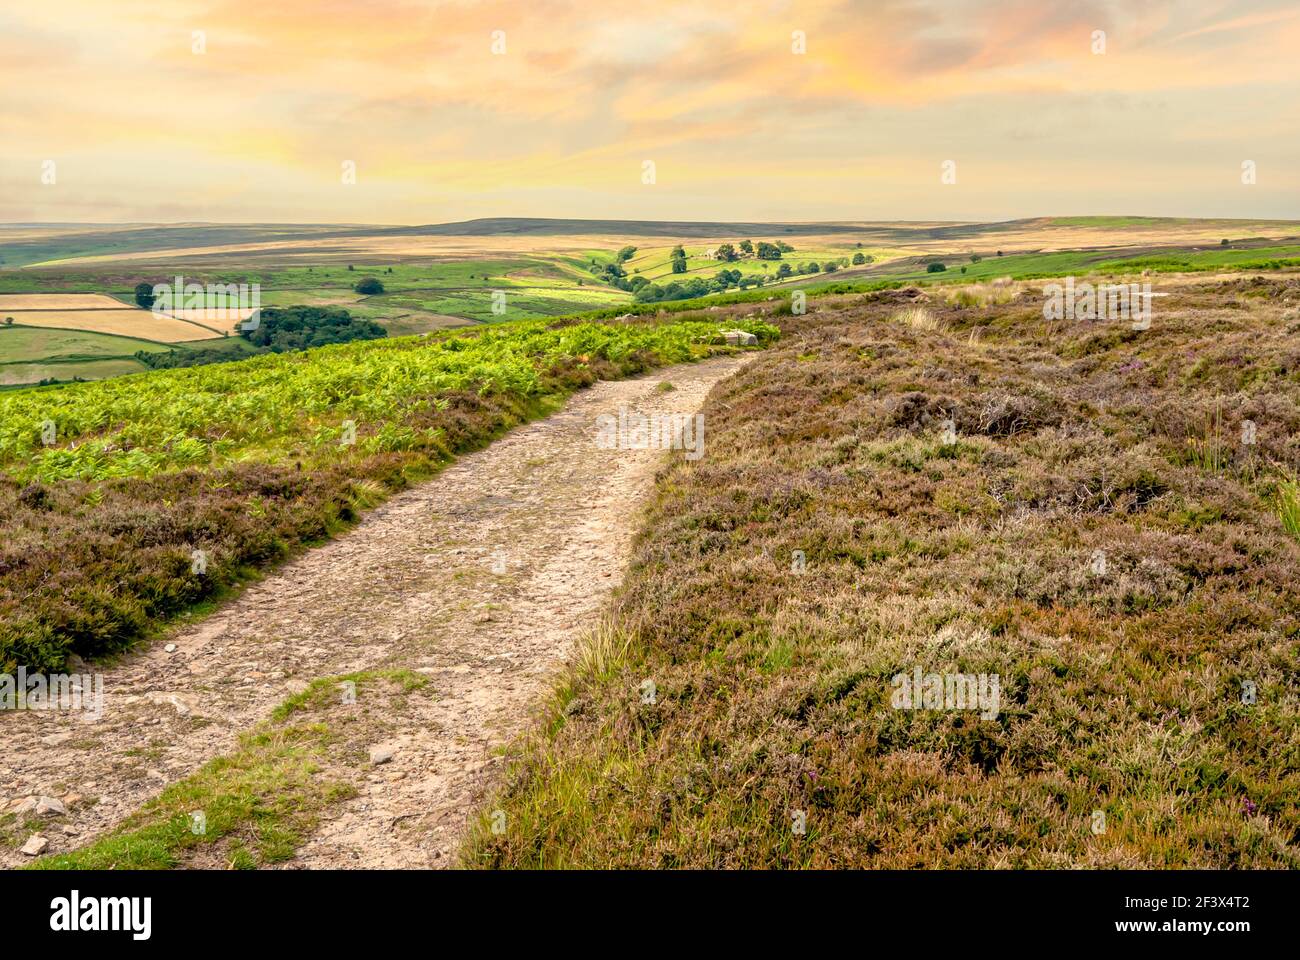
388,111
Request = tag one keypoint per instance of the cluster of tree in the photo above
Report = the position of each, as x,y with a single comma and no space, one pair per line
611,273
728,252
699,287
279,330
686,290
614,273
186,357
830,266
51,381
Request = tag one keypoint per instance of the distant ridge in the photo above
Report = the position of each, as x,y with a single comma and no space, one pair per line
492,226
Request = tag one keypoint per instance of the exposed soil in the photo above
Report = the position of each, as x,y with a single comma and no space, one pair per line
480,579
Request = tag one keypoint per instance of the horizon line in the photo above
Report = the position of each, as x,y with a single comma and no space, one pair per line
615,219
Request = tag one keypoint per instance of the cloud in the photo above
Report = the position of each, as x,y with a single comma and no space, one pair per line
440,125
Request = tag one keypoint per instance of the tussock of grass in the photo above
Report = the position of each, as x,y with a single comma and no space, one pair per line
1288,506
979,295
1121,691
918,318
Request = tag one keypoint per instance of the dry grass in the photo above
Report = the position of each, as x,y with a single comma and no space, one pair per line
1122,691
980,295
918,318
1288,506
58,301
125,322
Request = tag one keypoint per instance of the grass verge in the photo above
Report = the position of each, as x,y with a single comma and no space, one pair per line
256,805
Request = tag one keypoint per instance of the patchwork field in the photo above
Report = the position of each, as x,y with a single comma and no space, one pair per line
74,336
33,354
124,322
446,275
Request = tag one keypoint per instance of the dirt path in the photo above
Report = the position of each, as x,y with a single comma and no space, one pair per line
480,579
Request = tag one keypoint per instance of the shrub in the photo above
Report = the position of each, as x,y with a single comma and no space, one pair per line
243,460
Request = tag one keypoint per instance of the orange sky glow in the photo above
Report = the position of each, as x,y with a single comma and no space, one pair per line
231,110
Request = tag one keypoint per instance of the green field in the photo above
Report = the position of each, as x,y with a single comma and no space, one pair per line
31,354
25,374
20,344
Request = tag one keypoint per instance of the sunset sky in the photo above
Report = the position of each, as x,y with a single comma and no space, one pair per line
258,127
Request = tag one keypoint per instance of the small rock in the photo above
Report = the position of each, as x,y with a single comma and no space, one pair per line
49,807
69,830
170,648
24,806
35,845
54,739
739,338
380,754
